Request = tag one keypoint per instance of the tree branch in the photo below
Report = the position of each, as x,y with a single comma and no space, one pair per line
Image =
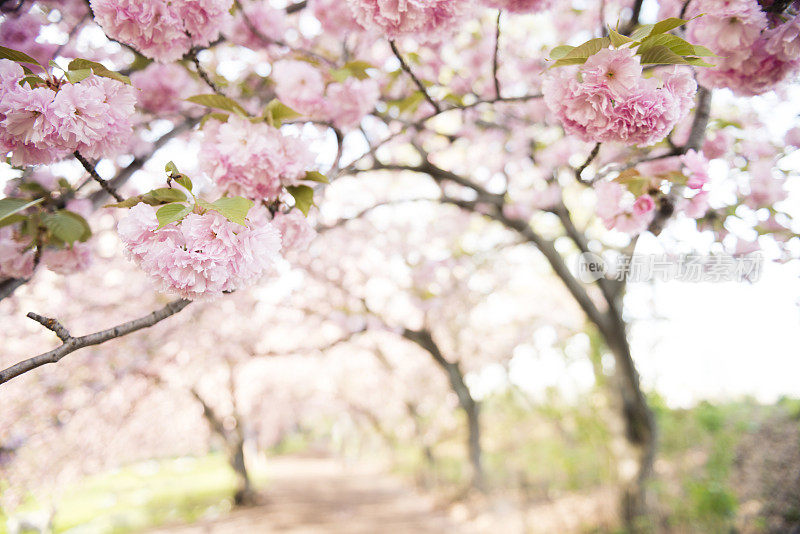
592,155
98,197
192,54
416,80
495,65
71,344
97,178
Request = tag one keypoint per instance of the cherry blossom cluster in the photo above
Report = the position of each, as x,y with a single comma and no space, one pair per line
608,99
45,123
255,25
302,87
621,210
17,256
252,159
756,52
163,30
202,255
430,19
296,232
163,88
521,6
21,32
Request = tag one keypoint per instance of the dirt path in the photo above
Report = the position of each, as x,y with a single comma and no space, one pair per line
310,495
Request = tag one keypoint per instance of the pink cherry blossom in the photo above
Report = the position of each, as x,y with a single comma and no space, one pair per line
618,210
16,258
269,22
618,71
521,6
68,260
765,188
717,145
431,19
296,232
695,207
334,19
643,204
348,102
164,30
641,112
163,88
201,256
250,159
41,125
792,137
784,40
300,85
20,32
695,168
752,58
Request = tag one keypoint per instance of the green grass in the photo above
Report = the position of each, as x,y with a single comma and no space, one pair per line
143,495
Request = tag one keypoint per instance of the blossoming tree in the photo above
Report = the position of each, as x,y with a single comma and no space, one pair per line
576,128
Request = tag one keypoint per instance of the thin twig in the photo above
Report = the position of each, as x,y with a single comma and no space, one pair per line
277,42
495,64
97,178
192,54
51,324
71,344
416,80
344,220
589,160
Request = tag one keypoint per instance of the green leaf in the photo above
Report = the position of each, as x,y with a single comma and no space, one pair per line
667,25
32,81
33,187
216,115
661,55
16,55
12,219
303,197
633,181
67,226
98,69
411,102
234,209
10,206
276,111
673,42
579,54
356,69
171,213
171,168
167,194
454,99
185,181
314,176
74,76
702,51
130,202
561,51
642,31
218,102
617,39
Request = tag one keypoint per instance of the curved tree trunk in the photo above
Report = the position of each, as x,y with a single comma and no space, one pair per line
466,402
244,494
640,425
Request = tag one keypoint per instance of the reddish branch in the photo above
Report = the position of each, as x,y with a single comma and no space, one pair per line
70,344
